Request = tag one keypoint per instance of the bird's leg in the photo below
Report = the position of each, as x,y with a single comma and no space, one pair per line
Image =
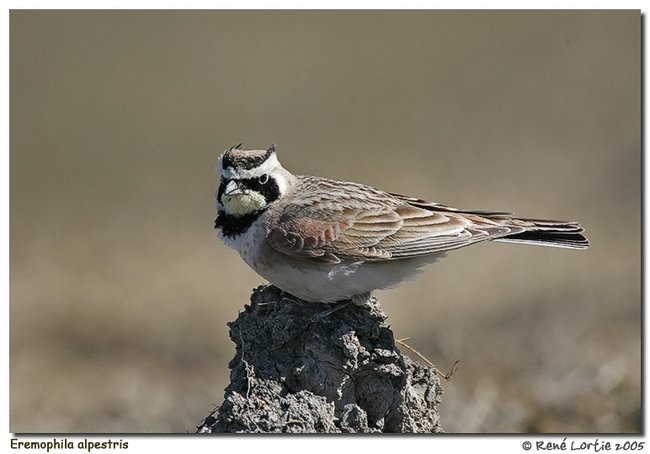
337,307
360,300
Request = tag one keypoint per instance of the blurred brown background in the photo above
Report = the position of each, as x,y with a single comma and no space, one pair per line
120,290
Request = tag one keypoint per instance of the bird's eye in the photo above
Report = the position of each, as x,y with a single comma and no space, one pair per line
263,179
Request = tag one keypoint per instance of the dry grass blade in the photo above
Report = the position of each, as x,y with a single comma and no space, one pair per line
446,376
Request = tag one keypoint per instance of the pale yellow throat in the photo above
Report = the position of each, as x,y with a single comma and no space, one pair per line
243,203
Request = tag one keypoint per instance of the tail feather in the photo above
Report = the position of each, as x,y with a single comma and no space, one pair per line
544,232
503,226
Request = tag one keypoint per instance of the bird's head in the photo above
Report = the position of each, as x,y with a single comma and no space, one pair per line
250,180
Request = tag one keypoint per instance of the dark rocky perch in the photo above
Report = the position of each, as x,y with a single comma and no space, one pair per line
314,368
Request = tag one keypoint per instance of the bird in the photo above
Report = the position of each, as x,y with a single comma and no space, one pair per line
324,240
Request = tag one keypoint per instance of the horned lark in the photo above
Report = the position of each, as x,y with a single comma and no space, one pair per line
326,240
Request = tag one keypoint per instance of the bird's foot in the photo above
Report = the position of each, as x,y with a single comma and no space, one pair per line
361,300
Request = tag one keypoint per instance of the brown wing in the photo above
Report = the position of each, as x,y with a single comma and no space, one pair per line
355,222
347,235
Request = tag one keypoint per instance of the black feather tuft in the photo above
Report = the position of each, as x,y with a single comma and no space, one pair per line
573,240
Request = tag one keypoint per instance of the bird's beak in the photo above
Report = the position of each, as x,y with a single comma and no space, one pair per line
232,188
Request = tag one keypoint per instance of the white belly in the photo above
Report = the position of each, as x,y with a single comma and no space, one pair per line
340,282
321,283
